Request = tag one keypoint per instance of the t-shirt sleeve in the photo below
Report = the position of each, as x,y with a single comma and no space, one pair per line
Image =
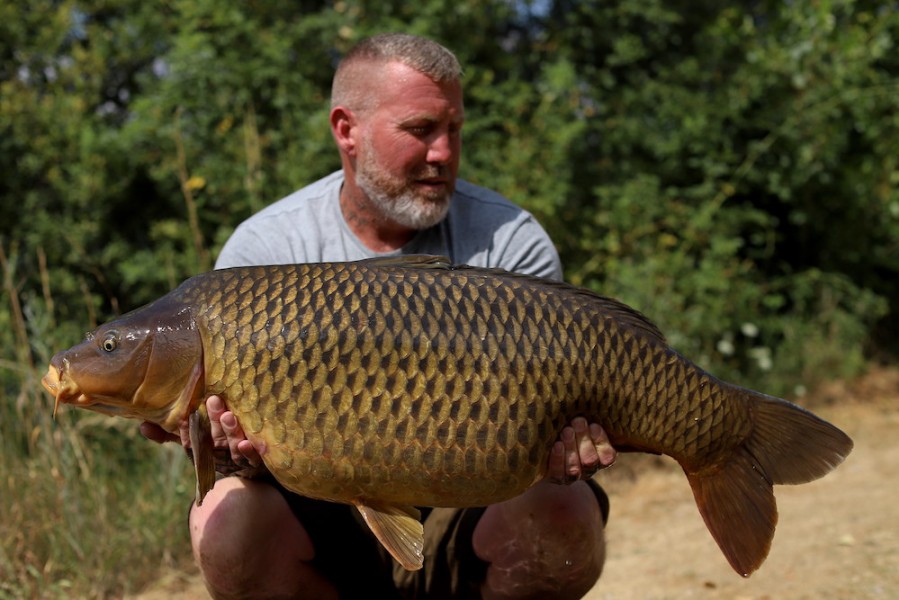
299,228
247,246
529,250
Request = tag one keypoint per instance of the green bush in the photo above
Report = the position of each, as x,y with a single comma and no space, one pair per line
731,170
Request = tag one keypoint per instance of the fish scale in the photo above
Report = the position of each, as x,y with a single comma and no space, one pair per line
332,361
402,382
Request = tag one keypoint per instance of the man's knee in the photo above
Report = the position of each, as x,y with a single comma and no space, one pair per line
549,538
245,537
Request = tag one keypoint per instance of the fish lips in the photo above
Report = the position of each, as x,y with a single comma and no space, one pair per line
62,388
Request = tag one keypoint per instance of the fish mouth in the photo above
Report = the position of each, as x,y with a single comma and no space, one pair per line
62,388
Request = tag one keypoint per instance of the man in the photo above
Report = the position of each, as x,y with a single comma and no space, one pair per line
396,116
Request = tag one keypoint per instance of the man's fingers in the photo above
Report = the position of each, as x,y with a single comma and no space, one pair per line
248,452
581,450
155,433
241,449
572,460
602,446
233,433
226,433
588,457
556,469
215,407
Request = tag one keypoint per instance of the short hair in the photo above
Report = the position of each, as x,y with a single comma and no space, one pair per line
424,55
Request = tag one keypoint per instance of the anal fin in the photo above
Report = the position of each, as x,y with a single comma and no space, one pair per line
203,451
736,501
399,530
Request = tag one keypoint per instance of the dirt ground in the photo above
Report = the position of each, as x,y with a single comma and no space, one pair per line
837,538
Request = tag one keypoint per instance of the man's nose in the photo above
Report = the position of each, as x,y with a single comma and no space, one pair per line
442,148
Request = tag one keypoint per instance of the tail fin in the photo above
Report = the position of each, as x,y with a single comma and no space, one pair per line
787,445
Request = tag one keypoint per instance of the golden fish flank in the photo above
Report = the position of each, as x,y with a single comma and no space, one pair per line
394,383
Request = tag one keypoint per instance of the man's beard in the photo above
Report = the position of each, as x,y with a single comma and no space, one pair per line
400,200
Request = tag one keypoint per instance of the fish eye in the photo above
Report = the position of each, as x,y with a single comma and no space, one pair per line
110,342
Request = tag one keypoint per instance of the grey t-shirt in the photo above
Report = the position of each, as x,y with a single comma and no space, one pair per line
482,229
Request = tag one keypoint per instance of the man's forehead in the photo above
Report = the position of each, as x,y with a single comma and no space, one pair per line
398,71
407,90
425,109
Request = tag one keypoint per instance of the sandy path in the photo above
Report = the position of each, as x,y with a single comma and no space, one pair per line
837,537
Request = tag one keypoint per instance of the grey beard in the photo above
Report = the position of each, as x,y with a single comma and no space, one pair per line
403,206
410,211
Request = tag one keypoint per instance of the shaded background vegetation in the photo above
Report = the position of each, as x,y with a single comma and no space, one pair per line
730,170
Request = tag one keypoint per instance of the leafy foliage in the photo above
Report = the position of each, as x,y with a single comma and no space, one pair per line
732,170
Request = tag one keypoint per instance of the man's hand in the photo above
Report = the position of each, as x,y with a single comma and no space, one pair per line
226,435
580,452
155,433
226,432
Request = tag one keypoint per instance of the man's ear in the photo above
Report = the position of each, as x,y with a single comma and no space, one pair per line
343,127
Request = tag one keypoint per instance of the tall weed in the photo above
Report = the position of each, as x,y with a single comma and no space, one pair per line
88,507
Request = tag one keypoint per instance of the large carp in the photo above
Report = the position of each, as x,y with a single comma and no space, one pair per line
404,382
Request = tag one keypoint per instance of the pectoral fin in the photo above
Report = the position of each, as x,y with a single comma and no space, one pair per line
399,529
203,451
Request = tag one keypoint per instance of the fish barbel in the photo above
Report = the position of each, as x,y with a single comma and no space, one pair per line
403,382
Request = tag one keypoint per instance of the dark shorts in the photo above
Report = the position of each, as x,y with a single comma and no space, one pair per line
349,555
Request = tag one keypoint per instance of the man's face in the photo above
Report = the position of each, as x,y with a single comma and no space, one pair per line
408,156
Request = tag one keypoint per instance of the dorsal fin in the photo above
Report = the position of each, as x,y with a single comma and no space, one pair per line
420,261
622,313
631,316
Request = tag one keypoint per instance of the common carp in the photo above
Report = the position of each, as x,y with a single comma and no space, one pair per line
403,382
